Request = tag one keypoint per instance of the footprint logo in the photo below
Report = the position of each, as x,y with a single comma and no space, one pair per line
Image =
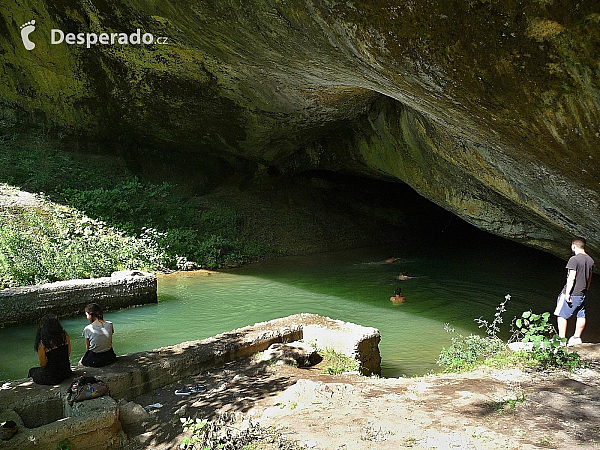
26,30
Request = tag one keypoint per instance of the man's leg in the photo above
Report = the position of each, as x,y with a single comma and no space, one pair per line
579,326
562,326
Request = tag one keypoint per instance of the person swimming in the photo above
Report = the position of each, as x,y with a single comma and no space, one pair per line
391,260
398,298
404,276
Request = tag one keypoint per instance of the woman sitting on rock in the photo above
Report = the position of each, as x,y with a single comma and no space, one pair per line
98,338
53,347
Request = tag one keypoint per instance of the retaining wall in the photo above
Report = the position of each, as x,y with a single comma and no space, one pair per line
67,298
45,419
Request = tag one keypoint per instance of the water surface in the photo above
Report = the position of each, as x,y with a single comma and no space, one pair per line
453,284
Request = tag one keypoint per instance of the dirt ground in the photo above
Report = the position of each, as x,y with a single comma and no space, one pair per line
483,409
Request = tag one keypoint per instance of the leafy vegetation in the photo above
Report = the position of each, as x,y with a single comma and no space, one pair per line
209,239
123,214
338,363
51,243
547,349
224,434
465,353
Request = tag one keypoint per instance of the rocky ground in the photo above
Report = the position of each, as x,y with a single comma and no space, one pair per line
483,409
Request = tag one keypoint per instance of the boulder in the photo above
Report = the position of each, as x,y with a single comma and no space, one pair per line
131,414
296,353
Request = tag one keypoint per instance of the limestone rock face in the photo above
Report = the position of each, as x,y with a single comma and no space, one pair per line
490,109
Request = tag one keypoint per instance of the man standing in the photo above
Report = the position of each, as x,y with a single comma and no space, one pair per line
572,298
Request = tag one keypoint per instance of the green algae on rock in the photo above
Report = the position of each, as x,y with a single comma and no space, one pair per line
489,109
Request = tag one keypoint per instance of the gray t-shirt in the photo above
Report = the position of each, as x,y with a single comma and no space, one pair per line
100,336
583,265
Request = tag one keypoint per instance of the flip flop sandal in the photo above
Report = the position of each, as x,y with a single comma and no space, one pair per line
184,391
197,388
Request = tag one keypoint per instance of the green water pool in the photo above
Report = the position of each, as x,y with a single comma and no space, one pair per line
452,284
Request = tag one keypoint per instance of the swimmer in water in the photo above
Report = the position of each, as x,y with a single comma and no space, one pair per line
404,276
391,260
398,298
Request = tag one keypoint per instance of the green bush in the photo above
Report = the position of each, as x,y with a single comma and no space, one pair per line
39,246
549,350
464,353
129,205
338,363
190,231
208,239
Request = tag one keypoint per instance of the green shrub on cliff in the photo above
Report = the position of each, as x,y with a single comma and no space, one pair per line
104,189
50,243
208,239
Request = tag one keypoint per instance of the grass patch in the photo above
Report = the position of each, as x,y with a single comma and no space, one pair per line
338,363
506,406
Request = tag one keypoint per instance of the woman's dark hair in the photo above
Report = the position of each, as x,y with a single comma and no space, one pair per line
94,310
50,333
398,291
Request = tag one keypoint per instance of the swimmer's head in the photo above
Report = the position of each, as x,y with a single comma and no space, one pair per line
398,291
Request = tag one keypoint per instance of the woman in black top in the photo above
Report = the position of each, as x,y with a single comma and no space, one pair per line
53,347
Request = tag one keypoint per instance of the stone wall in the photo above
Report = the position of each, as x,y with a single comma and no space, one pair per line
66,298
45,419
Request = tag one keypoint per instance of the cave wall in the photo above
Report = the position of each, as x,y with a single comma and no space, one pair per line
488,108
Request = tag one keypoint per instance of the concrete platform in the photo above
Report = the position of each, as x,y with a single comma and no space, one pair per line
45,419
122,289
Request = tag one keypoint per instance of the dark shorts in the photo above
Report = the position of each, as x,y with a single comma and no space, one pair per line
92,359
566,310
41,375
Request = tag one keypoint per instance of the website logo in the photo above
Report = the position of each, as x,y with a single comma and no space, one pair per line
90,39
26,30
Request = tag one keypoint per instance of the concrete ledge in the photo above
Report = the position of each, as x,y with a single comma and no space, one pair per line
41,410
355,341
66,298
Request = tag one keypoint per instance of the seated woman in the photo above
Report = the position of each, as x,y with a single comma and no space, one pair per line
53,347
98,338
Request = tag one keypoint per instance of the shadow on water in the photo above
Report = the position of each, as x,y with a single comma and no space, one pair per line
458,276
